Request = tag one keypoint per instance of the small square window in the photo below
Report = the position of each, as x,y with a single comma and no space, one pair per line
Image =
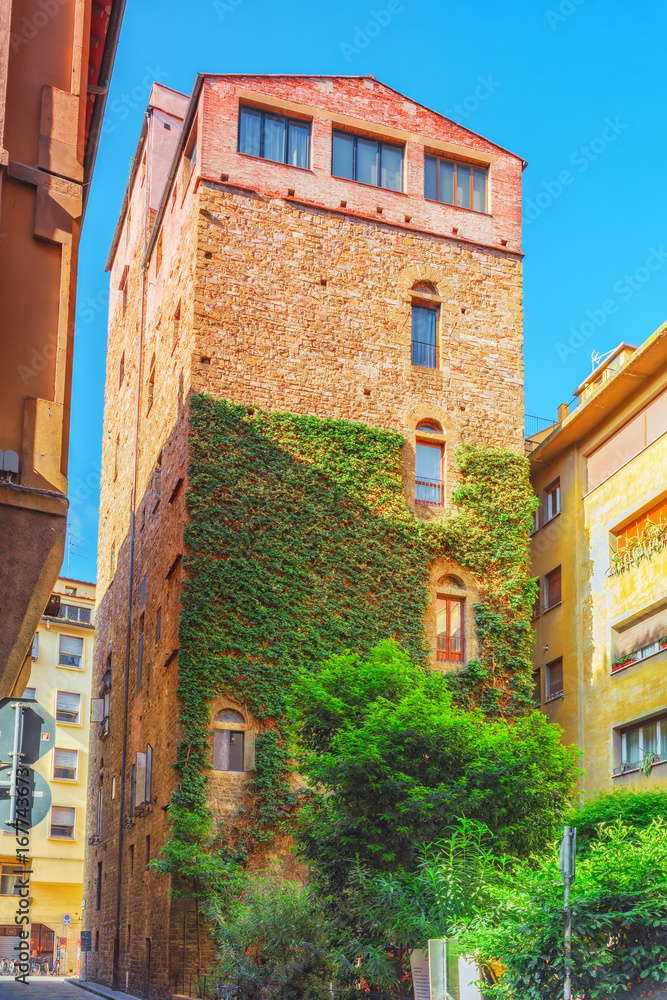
70,652
65,765
9,876
30,693
68,708
62,823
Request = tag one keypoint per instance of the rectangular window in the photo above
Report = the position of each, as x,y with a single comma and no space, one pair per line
133,788
450,634
274,137
142,592
536,606
648,740
367,160
158,625
70,652
9,876
68,708
228,750
74,613
35,646
643,637
424,337
121,370
555,679
98,887
98,818
140,652
97,940
148,849
429,487
148,786
637,434
62,822
456,183
537,687
641,527
552,589
30,693
65,764
552,501
131,859
128,940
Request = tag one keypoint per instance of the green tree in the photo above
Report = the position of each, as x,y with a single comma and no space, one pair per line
619,920
395,764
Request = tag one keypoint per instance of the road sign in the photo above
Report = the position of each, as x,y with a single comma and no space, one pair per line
34,788
38,730
86,942
67,918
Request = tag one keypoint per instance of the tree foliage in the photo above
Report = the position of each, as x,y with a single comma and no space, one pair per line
635,809
397,763
619,921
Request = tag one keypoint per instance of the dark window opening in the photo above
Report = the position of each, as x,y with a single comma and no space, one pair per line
555,679
228,750
552,589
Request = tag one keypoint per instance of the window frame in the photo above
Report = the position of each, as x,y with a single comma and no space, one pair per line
70,666
456,163
287,121
431,308
550,491
447,654
379,143
62,722
54,776
13,871
549,694
660,722
435,485
547,603
52,835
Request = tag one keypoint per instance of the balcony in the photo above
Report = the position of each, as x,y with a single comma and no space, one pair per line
450,647
429,492
424,355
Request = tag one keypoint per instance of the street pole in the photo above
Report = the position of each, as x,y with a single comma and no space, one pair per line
568,849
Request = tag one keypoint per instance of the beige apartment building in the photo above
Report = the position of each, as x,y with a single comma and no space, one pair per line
60,681
600,551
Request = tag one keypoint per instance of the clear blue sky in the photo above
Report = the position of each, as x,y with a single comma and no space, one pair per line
577,86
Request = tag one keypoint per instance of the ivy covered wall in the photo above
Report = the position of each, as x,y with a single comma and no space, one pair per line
299,545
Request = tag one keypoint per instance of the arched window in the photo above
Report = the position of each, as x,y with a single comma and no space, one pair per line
233,742
425,312
429,464
450,622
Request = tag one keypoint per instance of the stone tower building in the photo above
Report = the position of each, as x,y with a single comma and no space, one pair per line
316,245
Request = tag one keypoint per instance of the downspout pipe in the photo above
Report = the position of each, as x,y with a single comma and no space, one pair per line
128,641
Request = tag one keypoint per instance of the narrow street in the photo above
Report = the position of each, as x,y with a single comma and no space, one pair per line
41,989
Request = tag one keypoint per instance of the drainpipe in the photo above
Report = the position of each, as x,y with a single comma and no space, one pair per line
128,642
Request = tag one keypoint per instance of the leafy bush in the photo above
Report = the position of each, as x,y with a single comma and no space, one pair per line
637,809
619,922
275,941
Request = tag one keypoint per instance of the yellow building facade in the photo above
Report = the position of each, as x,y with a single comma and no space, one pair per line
599,549
60,681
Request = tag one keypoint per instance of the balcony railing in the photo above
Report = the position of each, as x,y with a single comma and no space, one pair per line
429,492
423,355
636,765
450,647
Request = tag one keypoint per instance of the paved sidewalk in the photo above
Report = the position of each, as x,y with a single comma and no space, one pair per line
97,989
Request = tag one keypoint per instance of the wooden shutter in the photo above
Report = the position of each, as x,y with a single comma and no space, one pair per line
555,678
236,752
97,709
149,773
220,749
646,630
140,780
553,594
249,751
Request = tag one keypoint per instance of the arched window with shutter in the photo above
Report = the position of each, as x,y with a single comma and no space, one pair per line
233,742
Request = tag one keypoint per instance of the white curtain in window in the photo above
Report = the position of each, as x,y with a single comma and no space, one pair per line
249,132
392,168
298,145
367,161
274,139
